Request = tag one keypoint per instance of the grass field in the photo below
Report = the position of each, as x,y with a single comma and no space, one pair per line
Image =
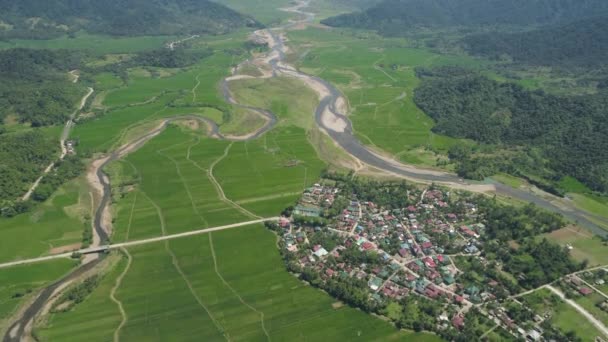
563,316
232,284
377,76
585,246
18,284
589,303
265,11
57,222
288,98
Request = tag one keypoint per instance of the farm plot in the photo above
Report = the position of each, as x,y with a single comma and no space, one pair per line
58,222
266,175
145,98
174,193
225,285
378,78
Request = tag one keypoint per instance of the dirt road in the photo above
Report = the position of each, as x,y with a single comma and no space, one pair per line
64,135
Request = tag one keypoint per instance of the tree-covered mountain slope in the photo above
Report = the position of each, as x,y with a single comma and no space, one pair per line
51,18
582,43
394,17
570,133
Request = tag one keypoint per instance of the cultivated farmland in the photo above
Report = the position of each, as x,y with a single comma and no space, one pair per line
229,284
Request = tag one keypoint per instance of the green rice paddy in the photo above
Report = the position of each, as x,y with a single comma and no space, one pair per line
55,223
231,284
378,78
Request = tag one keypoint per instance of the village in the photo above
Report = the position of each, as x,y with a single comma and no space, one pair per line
409,253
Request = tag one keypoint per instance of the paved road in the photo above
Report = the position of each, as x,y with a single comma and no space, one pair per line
137,242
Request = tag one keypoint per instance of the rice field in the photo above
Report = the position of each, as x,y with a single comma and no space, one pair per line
224,285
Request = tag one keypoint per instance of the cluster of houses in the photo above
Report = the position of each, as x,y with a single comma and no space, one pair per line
411,259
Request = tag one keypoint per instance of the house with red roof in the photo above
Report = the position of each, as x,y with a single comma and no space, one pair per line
458,322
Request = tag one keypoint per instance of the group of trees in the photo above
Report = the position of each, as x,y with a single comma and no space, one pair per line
77,294
569,132
398,17
52,18
35,87
22,158
583,43
535,263
506,223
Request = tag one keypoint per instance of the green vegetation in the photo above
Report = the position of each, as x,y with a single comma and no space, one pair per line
34,85
570,324
578,44
378,80
210,286
265,11
397,17
19,284
289,99
550,136
174,193
23,156
57,222
54,18
89,42
267,174
584,245
96,316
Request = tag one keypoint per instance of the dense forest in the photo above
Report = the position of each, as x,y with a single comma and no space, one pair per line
568,135
23,156
35,86
396,17
53,18
582,43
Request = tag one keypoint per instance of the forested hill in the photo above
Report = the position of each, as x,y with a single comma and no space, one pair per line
582,43
394,17
570,132
35,87
51,18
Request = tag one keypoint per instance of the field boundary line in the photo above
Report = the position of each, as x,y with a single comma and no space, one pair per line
269,197
180,271
198,83
117,285
218,186
131,215
175,262
186,187
233,290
